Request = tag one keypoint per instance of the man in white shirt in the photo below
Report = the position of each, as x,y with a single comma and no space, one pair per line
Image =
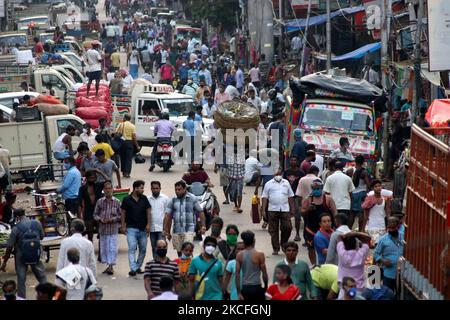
209,109
158,202
319,162
164,56
94,59
296,44
253,99
86,248
88,136
340,187
254,74
278,197
166,285
252,168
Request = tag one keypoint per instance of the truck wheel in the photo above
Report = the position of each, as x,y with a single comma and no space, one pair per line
62,224
166,167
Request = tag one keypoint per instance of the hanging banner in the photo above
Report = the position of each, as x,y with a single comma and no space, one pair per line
438,35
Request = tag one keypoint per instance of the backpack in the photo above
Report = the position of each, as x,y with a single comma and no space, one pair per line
30,244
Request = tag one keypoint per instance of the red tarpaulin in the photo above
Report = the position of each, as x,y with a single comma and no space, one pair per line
438,113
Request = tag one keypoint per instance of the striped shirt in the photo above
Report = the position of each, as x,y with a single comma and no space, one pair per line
155,270
107,209
183,212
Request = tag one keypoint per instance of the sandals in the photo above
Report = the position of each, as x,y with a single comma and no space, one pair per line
226,202
264,225
239,211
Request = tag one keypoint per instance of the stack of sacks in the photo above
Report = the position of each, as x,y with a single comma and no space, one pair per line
92,108
49,105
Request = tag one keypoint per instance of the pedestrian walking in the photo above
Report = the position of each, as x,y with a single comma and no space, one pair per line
300,274
388,251
376,209
103,145
182,211
253,266
107,167
361,181
107,213
136,219
313,206
167,73
129,147
158,202
293,174
89,194
25,240
283,288
340,187
236,173
71,186
278,197
206,273
322,238
229,281
134,62
161,266
75,278
183,262
84,246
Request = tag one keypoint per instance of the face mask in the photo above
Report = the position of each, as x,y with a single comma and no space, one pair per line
67,166
316,192
278,178
352,292
155,194
215,231
393,233
210,250
232,239
161,252
10,295
184,257
190,81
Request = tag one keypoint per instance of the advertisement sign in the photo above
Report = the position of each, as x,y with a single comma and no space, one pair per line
438,35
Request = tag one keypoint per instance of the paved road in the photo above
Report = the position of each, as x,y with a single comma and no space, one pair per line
121,286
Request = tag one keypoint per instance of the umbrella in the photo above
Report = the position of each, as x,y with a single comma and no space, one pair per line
438,113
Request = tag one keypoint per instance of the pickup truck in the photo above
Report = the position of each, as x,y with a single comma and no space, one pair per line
30,140
12,76
425,266
146,104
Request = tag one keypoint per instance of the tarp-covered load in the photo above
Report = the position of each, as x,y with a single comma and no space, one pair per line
319,85
236,115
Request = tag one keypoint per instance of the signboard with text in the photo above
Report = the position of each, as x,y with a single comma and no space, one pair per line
438,35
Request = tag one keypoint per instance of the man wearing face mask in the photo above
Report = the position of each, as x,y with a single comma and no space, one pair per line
388,251
227,247
158,202
343,153
279,196
161,266
221,95
190,88
10,291
71,186
206,273
350,290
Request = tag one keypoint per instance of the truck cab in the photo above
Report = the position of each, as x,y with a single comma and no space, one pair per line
324,121
10,39
40,22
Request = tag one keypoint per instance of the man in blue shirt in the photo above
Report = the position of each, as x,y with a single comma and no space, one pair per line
189,126
183,74
71,186
193,73
206,74
388,251
299,148
322,238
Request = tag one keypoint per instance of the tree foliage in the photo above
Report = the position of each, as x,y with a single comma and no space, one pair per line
218,12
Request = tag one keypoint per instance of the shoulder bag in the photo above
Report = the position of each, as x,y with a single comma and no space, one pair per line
117,141
197,295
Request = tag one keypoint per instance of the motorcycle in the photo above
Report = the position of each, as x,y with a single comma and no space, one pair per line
164,151
207,201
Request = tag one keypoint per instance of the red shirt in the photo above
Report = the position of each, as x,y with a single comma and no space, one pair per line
292,293
167,72
38,48
199,176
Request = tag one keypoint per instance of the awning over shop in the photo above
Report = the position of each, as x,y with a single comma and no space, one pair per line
300,24
438,113
356,54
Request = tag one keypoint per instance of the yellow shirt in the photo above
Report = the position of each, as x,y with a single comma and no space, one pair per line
127,129
109,152
115,60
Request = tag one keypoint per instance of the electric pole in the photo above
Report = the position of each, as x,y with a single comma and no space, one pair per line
386,13
280,24
305,39
417,63
328,36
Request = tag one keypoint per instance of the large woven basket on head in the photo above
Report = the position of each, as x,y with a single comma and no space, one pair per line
236,115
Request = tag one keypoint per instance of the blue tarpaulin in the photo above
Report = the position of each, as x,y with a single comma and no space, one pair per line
356,54
300,24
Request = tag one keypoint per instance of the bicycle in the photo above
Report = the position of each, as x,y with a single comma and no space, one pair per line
50,210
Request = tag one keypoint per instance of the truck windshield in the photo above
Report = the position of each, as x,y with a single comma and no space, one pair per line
10,41
39,21
178,107
338,118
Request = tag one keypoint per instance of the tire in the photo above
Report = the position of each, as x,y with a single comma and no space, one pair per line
62,223
166,167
